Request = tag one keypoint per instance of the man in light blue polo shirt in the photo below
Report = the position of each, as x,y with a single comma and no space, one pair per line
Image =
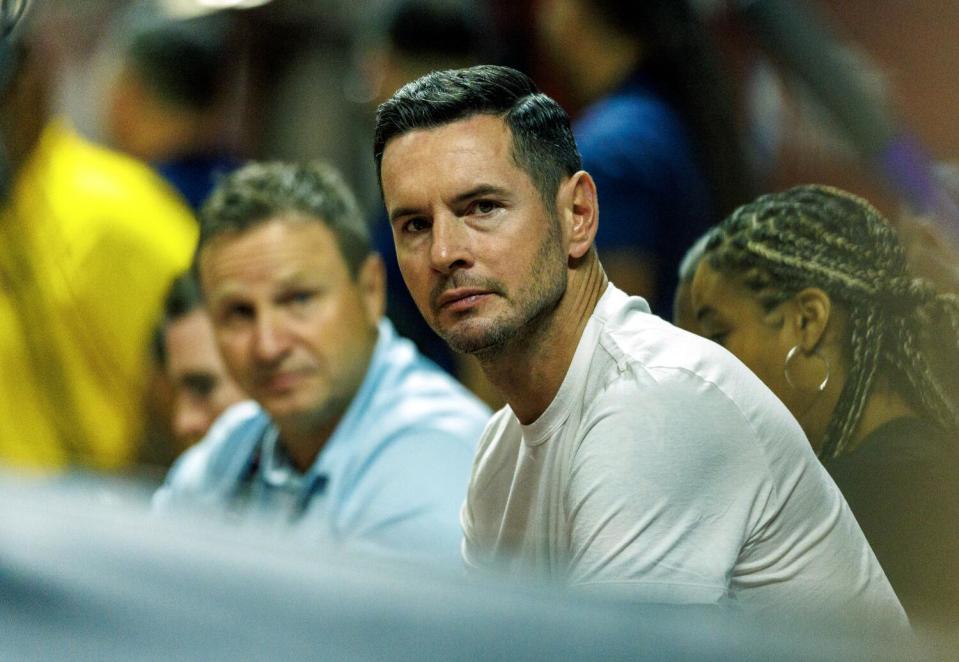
352,436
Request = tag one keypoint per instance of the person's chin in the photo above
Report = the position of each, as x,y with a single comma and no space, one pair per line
474,336
282,405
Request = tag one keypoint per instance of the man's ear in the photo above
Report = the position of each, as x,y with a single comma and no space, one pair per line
580,208
371,283
810,314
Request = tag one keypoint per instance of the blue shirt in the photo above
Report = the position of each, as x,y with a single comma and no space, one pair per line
654,198
392,476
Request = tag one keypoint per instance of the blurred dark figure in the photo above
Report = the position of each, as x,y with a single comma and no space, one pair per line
412,38
89,241
168,104
657,132
186,349
810,288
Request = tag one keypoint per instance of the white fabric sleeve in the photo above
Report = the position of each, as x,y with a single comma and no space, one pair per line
664,488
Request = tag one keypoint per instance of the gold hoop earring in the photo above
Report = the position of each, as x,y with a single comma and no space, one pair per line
791,354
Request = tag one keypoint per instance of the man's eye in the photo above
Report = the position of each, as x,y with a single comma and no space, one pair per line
485,206
416,225
299,297
236,313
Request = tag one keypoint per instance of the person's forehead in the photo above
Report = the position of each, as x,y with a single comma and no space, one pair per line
275,253
190,342
486,133
719,292
194,322
708,287
292,234
450,159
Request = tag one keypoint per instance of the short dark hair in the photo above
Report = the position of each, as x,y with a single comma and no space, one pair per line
543,144
261,191
182,298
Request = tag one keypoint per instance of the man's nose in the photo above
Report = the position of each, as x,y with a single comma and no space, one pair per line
450,245
271,339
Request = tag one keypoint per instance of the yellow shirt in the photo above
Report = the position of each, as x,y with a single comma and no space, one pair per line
88,246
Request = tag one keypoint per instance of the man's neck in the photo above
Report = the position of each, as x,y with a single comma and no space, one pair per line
530,371
303,444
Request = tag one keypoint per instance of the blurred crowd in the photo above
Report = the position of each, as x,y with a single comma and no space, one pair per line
163,163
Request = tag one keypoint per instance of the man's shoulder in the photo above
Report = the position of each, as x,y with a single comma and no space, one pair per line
409,413
414,391
642,357
631,336
223,451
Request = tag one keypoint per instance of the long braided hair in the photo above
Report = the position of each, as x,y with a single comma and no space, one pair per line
899,327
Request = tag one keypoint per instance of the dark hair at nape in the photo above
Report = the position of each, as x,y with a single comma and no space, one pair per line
543,143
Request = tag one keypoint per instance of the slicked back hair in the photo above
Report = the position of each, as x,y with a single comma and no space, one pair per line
543,144
260,192
816,236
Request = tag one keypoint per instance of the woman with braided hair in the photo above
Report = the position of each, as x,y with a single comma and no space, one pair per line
809,288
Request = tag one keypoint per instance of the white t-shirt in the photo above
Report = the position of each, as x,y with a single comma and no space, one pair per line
665,471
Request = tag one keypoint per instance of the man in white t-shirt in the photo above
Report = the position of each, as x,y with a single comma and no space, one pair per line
632,458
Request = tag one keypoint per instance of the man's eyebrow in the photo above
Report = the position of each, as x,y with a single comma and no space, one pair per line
219,297
293,278
480,190
475,192
402,211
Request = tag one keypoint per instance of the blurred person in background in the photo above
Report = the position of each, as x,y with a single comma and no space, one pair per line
186,349
89,242
409,38
354,436
169,104
597,475
810,289
657,132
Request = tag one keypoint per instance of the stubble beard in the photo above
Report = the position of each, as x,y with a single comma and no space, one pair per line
545,285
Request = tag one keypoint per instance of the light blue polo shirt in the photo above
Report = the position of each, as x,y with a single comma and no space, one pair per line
392,476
